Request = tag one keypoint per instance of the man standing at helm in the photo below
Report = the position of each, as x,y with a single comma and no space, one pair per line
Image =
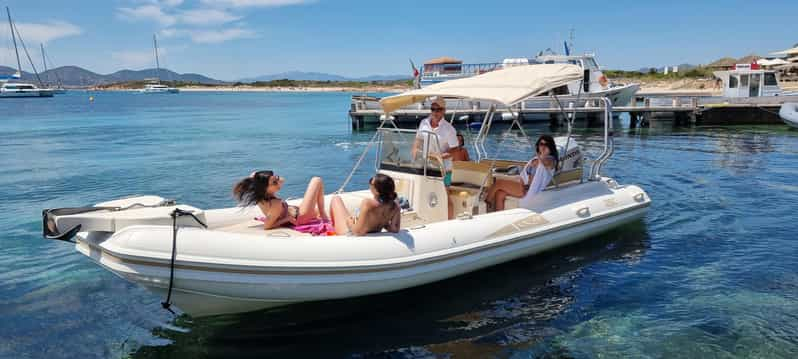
447,140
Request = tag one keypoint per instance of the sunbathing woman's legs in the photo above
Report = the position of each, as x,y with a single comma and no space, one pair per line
501,189
339,215
312,205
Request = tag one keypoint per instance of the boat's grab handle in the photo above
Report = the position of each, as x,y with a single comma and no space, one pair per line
50,230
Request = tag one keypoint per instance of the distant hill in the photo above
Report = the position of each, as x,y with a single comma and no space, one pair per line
320,76
74,76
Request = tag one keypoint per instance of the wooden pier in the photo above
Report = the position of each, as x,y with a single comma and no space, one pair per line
681,110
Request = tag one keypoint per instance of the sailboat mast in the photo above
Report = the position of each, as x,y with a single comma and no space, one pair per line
44,62
157,63
14,38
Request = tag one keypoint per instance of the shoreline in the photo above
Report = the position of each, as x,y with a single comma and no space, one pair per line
268,89
684,87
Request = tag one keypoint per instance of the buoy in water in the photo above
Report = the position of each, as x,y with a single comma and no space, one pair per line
91,98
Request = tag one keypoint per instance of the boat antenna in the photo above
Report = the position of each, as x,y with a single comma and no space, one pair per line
25,48
13,38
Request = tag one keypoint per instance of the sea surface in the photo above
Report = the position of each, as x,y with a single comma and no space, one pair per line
710,272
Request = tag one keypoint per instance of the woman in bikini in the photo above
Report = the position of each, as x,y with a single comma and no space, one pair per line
261,188
535,176
376,213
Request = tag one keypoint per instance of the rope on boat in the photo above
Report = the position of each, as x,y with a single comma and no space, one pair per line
176,213
363,155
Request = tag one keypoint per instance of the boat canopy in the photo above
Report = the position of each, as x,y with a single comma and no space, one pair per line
792,51
506,86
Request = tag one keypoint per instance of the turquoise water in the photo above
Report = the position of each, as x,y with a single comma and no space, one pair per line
709,272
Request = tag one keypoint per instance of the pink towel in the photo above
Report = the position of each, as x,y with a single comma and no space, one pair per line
316,227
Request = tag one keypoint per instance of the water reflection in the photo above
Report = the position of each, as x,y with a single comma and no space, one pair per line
475,315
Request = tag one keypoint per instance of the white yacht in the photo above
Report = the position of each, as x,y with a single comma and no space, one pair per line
592,86
217,261
9,87
156,87
18,89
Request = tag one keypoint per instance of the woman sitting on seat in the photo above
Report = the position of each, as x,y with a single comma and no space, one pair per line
460,153
535,176
374,214
261,188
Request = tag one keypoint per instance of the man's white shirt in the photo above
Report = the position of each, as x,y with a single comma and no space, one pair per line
447,138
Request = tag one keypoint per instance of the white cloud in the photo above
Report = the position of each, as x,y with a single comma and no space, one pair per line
136,59
210,36
147,12
34,33
254,3
172,3
206,17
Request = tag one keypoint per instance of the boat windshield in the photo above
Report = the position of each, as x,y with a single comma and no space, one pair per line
409,151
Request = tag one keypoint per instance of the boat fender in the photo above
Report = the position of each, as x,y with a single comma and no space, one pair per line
603,81
176,213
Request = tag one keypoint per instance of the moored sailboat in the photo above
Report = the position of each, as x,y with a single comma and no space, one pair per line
9,86
156,87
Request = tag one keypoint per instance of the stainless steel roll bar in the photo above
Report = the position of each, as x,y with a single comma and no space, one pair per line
595,168
609,142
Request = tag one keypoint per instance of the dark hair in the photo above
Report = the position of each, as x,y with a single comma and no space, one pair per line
386,189
252,189
460,135
552,147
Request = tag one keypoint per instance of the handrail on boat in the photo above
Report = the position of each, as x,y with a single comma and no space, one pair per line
609,142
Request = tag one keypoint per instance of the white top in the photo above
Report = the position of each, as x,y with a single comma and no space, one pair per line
447,138
540,180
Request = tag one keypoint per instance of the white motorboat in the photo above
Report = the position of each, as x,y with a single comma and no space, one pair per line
217,261
789,114
156,87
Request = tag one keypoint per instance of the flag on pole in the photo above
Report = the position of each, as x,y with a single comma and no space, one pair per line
416,75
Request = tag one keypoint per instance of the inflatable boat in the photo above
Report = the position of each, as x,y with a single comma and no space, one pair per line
220,261
789,114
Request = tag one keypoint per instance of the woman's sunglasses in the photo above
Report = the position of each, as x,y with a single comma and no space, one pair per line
274,180
436,109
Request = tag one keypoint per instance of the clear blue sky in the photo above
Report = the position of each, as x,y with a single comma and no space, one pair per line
230,39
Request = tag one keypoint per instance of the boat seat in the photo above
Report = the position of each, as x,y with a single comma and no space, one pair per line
255,227
560,179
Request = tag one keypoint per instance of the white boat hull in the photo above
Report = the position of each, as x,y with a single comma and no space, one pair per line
789,114
159,91
26,93
219,273
202,299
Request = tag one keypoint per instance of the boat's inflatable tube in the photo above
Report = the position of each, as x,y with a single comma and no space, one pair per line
789,114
